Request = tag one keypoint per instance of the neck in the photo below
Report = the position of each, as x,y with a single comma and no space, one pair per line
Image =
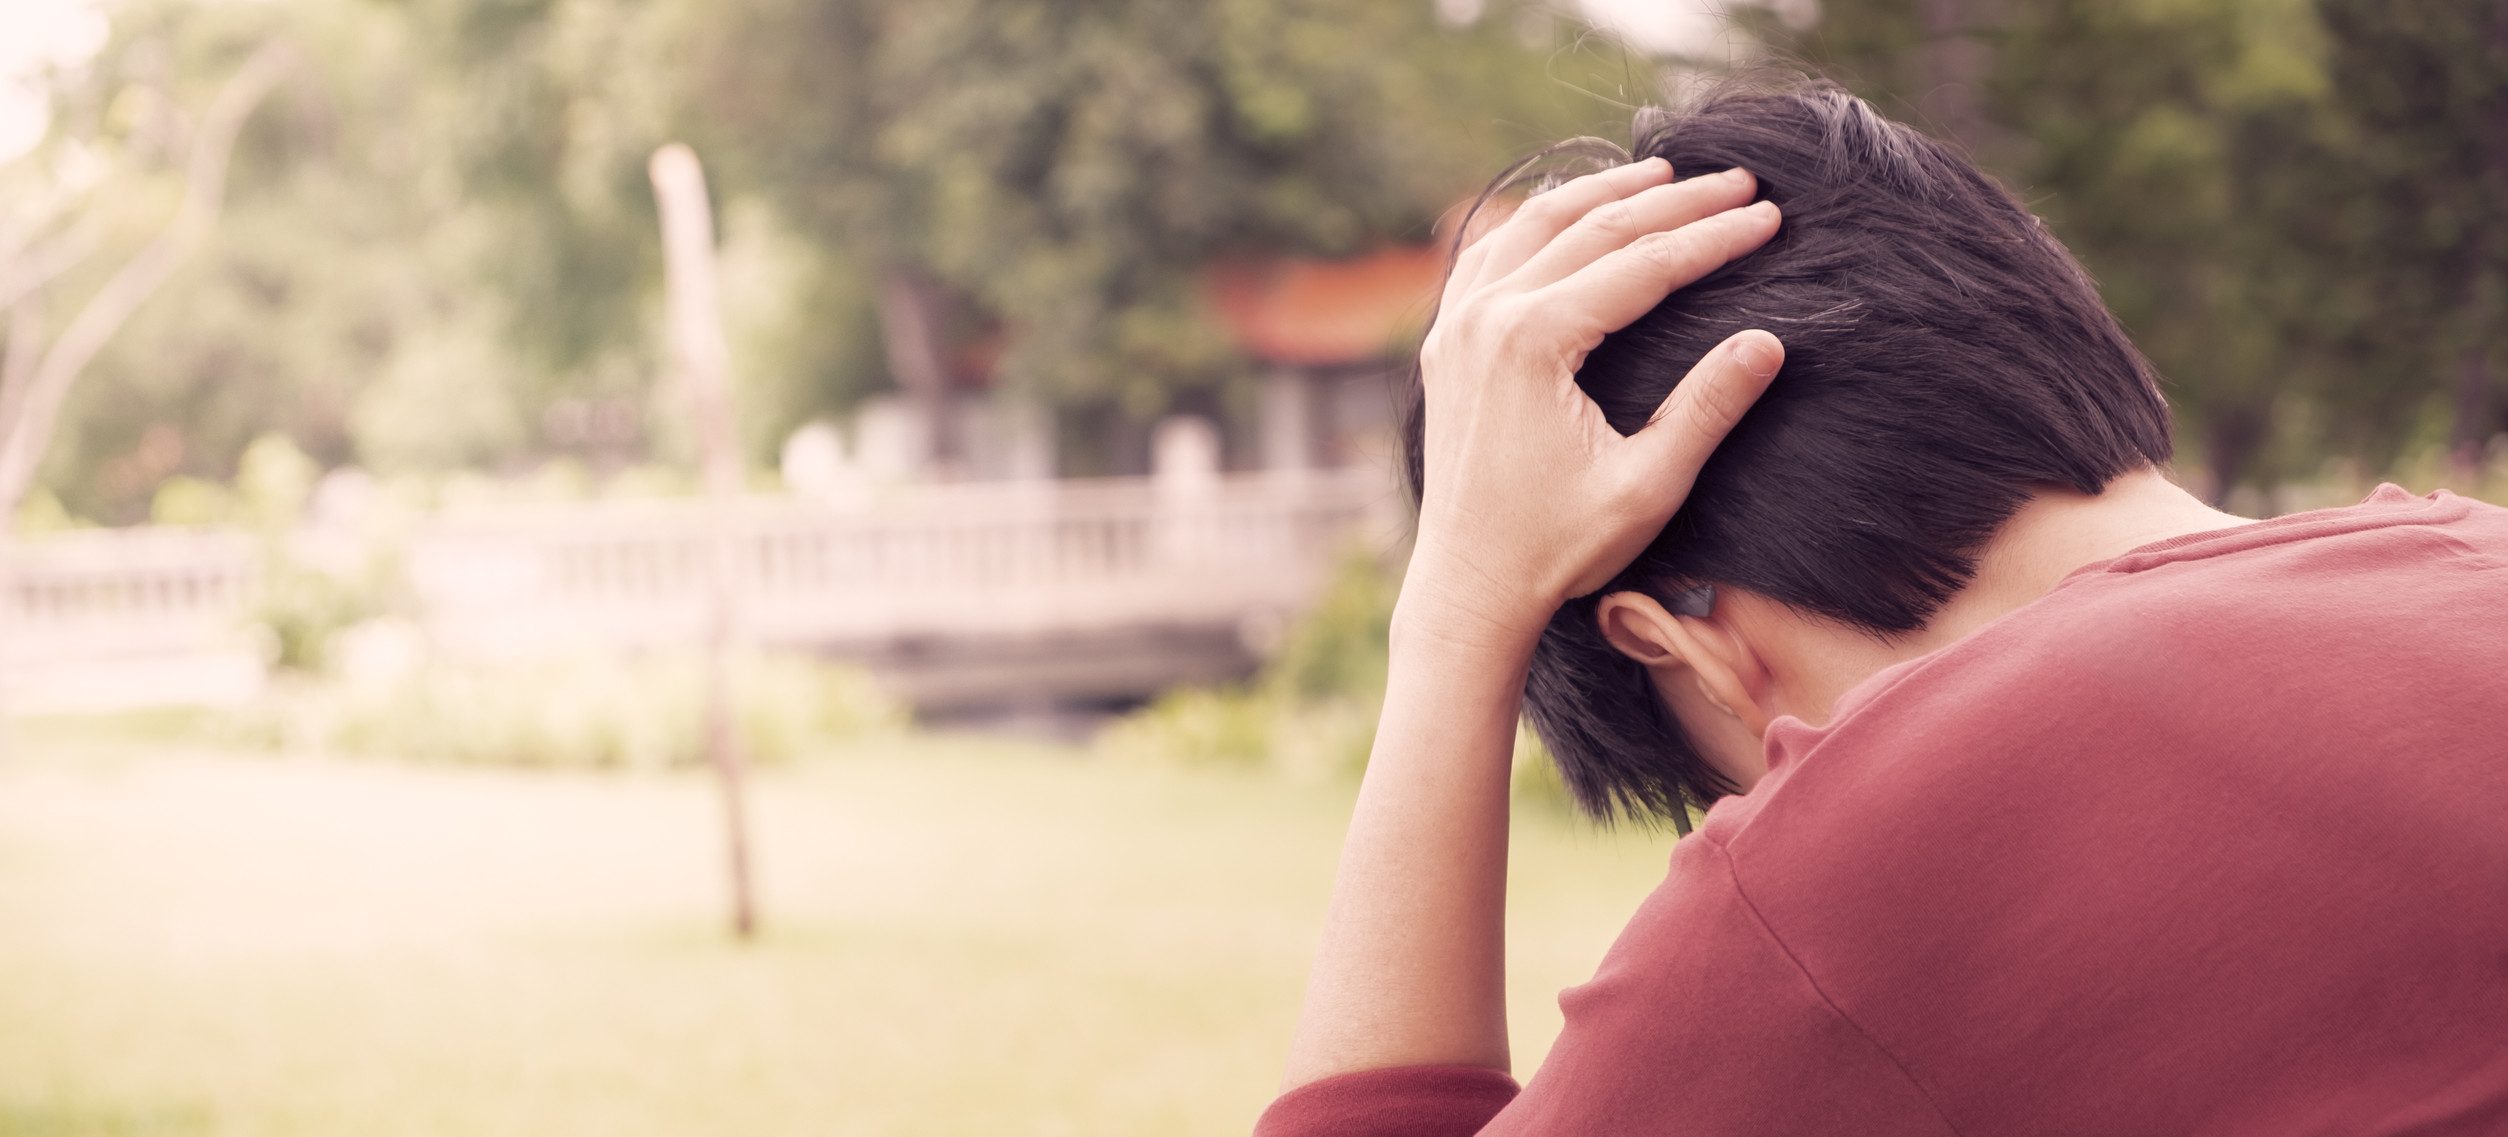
2056,533
2059,532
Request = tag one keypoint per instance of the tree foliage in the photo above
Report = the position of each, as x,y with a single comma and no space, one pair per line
2419,165
1057,174
439,248
2283,200
441,253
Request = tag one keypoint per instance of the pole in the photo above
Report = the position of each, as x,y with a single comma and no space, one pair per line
698,348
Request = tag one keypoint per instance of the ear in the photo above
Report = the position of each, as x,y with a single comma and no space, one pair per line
1704,650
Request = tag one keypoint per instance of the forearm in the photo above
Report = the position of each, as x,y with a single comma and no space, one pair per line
1411,967
1528,496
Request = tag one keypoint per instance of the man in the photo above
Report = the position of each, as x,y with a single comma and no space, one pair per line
2044,798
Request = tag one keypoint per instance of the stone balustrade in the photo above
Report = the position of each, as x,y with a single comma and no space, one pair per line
907,569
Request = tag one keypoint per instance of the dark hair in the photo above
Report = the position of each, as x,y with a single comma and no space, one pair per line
1946,359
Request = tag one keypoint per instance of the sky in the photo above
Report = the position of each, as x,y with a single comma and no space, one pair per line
34,33
1683,26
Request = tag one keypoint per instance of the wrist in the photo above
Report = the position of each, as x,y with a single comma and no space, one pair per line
1456,605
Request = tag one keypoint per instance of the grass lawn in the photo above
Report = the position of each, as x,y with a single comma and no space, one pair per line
964,936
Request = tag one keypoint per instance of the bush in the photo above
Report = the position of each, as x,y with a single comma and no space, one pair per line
1312,710
1311,713
302,608
1338,650
1248,727
592,712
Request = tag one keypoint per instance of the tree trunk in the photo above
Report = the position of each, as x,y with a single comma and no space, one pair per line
2231,439
17,362
24,270
36,400
697,342
36,378
910,329
2474,419
8,614
1954,64
2480,412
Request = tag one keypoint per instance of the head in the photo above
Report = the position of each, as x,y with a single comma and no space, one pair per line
1947,362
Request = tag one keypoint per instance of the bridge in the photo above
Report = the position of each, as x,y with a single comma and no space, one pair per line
958,595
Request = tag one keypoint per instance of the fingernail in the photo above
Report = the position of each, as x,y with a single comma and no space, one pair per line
1736,174
1753,354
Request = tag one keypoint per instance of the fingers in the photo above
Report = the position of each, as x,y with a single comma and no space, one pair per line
1545,215
1628,282
1614,225
1704,407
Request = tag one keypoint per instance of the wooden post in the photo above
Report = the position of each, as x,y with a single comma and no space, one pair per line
698,348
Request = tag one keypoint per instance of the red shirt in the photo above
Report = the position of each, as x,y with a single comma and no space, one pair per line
2212,838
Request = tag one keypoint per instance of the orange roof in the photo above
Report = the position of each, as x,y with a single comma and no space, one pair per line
1292,310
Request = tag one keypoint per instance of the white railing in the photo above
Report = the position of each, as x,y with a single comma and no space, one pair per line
963,560
107,592
1030,560
105,619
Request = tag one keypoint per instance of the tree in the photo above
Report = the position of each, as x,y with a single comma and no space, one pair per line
2422,168
315,286
2177,148
35,374
38,375
1057,174
440,239
445,254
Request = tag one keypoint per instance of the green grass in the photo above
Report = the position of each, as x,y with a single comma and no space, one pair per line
963,937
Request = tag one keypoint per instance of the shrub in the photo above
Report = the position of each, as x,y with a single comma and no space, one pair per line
589,712
1338,649
1312,710
1311,713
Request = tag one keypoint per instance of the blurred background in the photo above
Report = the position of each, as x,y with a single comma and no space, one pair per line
763,566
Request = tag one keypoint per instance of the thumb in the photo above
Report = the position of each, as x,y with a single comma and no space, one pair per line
1704,406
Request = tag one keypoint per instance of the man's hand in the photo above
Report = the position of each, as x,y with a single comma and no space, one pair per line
1530,497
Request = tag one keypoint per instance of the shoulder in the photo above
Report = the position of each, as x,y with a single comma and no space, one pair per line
1701,1020
2233,657
2024,710
2163,635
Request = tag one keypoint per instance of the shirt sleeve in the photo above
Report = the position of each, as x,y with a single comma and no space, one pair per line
1403,1101
1698,1022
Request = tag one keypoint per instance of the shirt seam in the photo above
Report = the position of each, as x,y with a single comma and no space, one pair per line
1732,872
